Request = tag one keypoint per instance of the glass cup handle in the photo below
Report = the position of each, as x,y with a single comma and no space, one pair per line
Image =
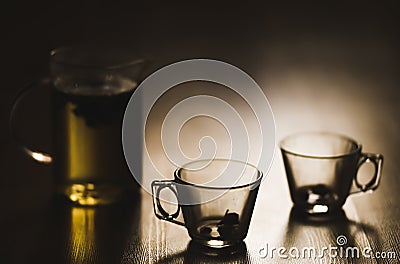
377,160
159,211
38,156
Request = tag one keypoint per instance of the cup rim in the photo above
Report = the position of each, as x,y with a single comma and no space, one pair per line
338,135
257,181
112,66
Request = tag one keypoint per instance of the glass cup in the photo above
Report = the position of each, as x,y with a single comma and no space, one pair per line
321,168
90,88
216,198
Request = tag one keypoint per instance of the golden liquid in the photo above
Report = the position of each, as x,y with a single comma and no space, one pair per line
89,163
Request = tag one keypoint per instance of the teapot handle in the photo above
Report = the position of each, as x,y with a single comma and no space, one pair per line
38,156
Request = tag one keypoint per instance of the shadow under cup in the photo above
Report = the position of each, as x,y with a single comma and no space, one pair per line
321,168
216,198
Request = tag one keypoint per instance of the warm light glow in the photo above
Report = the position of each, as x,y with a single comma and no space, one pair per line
41,157
84,194
89,201
320,208
83,200
79,188
73,197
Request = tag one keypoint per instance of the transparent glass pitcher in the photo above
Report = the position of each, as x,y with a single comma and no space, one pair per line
90,89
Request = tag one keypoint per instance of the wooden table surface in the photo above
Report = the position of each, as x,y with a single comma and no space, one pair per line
322,67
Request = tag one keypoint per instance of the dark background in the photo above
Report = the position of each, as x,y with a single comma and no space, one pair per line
323,65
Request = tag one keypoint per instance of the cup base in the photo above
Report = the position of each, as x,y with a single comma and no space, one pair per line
316,210
215,243
90,194
298,215
216,248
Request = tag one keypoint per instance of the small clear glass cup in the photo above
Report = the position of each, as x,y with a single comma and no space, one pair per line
216,209
321,168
